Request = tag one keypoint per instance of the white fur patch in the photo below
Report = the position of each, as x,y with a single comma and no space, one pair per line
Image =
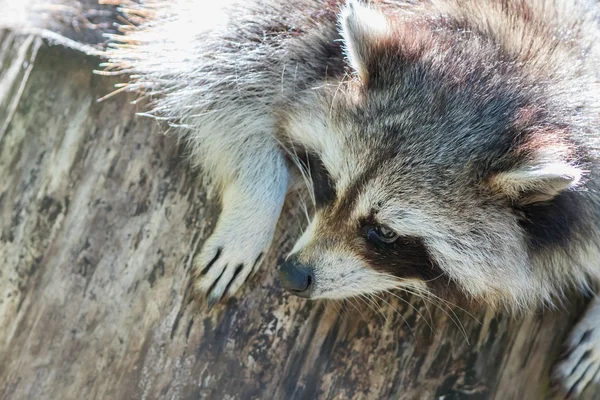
340,274
543,182
360,26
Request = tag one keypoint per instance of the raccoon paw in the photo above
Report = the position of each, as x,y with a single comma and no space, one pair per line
579,365
231,254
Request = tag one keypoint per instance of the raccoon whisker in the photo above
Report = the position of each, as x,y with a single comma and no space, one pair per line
415,290
425,303
374,306
400,314
343,81
344,307
299,223
304,207
341,306
417,311
427,296
357,309
369,303
377,311
283,78
435,300
448,303
334,304
433,279
304,170
308,180
454,318
295,73
437,304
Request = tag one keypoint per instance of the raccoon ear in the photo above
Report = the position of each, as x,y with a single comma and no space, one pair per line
361,27
528,185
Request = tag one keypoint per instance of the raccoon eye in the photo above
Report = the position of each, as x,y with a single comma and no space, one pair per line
378,234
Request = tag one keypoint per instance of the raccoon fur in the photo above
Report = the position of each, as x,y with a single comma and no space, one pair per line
448,143
449,146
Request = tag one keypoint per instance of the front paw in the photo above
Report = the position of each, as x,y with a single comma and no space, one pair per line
242,236
579,365
224,265
237,246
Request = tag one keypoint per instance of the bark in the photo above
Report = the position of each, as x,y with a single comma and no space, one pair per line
100,217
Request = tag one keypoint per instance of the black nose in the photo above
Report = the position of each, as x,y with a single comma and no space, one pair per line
296,277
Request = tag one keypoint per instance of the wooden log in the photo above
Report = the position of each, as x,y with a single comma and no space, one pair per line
100,217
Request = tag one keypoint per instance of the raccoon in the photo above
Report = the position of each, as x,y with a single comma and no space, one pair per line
449,146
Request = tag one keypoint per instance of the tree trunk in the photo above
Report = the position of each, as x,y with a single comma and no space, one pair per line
100,217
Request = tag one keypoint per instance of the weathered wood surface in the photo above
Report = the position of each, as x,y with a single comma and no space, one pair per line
99,220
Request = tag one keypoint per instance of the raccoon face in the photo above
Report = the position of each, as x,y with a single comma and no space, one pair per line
421,182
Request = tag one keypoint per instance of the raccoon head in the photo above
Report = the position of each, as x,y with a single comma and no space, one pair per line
425,164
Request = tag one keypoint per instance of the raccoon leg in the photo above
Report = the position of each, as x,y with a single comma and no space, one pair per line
251,205
580,364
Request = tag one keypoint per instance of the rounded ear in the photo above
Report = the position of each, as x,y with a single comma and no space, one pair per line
361,28
533,184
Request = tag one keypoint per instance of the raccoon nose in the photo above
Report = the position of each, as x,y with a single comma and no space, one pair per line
296,277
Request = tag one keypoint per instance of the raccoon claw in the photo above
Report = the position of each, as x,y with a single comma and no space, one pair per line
219,272
242,236
218,291
579,365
